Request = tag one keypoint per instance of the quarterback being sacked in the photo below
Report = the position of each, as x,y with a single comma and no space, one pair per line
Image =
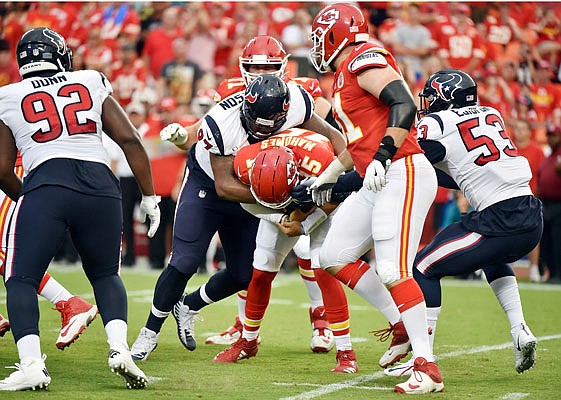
471,150
272,168
265,54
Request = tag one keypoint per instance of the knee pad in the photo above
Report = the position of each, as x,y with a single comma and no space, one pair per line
266,260
388,273
302,247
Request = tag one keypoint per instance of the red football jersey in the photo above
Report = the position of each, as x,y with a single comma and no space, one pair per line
313,152
362,116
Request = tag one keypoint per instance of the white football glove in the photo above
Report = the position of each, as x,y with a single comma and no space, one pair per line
375,176
322,187
174,133
149,207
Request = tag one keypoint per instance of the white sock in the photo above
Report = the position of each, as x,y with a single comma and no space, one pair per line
242,299
506,290
371,288
314,293
343,342
29,347
54,291
432,317
116,330
415,321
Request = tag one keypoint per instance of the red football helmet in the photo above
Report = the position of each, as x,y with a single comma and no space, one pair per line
263,50
334,28
272,176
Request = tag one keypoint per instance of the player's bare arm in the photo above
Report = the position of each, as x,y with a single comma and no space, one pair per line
9,181
119,128
388,86
227,185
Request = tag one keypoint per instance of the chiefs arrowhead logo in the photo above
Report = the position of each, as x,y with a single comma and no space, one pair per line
447,88
285,105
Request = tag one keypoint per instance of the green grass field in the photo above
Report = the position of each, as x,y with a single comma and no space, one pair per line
473,343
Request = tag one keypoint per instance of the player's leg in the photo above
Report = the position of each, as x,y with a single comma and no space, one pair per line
39,215
97,237
340,256
399,213
322,338
196,221
272,247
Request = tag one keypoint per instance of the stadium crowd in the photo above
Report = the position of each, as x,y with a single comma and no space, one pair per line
164,59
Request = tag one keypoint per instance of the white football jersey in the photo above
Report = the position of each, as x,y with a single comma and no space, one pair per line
480,156
222,133
57,116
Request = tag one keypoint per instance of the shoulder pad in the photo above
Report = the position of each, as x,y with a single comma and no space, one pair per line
228,87
368,59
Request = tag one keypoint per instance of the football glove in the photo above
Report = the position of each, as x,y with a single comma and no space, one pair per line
375,176
149,207
323,185
174,133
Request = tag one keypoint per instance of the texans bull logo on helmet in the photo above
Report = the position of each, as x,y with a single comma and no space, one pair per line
448,87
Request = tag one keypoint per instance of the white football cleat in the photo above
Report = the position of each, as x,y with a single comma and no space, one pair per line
30,374
524,343
76,314
534,275
322,336
400,369
121,363
425,378
399,347
185,319
145,343
229,336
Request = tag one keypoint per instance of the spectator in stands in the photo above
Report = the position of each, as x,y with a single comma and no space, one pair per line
534,154
9,72
197,29
508,72
549,188
166,162
158,46
96,55
493,91
179,77
222,27
548,31
501,30
128,74
295,36
411,42
117,21
395,17
460,44
546,97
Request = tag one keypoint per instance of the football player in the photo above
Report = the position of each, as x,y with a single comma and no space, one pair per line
265,54
54,117
76,313
376,111
471,150
275,166
210,197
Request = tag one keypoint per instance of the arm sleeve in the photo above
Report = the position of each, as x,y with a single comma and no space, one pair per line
434,151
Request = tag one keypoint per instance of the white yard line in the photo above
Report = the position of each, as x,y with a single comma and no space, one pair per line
513,396
334,387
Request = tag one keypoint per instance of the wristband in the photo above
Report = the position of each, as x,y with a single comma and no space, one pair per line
313,220
386,151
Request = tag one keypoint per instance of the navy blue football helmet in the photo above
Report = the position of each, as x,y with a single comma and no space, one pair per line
266,103
446,89
40,50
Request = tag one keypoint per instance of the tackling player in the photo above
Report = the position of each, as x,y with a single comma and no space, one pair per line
210,199
54,117
376,111
275,166
265,55
472,151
